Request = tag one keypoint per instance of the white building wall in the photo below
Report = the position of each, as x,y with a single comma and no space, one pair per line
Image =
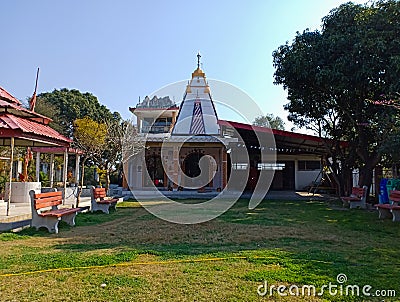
302,178
305,178
135,172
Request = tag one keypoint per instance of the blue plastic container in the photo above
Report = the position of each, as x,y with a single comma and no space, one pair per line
383,191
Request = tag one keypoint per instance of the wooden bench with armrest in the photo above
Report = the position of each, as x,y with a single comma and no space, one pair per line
357,198
100,201
391,210
45,211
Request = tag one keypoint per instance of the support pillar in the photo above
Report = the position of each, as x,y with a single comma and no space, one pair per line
77,161
10,176
65,172
37,166
51,170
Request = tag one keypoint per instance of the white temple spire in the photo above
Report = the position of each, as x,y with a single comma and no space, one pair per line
197,113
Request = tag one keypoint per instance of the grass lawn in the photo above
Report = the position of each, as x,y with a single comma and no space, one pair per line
131,255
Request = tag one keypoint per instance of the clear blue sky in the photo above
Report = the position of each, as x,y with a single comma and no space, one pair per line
120,50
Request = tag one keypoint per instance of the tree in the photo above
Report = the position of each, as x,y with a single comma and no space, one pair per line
64,106
90,137
334,76
269,121
122,140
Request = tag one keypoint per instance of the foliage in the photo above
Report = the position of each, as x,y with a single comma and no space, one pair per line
269,121
90,136
64,106
334,76
102,147
43,177
121,138
3,180
89,176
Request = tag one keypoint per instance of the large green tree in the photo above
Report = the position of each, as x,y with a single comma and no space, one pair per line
94,128
64,106
334,77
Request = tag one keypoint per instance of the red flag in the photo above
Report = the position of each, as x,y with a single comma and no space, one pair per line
32,101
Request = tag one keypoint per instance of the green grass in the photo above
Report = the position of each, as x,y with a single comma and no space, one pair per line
133,254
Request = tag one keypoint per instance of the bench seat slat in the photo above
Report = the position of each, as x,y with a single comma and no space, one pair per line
60,212
106,201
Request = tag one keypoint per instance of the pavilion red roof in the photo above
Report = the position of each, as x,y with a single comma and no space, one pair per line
4,94
11,123
8,106
21,123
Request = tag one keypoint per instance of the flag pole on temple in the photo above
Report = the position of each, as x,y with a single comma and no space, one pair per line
32,101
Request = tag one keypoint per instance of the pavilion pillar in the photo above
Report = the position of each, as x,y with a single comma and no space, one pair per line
37,166
10,176
77,161
65,172
51,169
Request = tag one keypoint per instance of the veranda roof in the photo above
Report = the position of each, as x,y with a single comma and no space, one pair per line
27,127
28,132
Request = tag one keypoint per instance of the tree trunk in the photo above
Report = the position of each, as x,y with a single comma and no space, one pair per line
107,179
366,174
80,188
366,177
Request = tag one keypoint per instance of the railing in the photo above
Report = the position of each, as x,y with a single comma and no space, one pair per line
155,129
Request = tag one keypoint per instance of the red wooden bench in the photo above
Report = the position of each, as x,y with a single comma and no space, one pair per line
45,211
100,201
391,210
357,198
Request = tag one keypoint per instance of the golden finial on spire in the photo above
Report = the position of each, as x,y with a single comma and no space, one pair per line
198,59
198,72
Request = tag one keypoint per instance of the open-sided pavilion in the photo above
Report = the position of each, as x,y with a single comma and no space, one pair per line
21,127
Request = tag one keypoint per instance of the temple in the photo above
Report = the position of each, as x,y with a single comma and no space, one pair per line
188,147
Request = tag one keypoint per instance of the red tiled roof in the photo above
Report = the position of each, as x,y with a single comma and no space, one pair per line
27,126
4,94
286,135
8,101
269,130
